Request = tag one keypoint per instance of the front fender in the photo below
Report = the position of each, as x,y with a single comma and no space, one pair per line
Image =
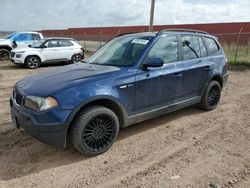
32,53
96,98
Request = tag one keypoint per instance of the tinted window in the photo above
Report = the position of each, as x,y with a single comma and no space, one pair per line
191,48
211,45
23,37
65,43
36,37
203,48
165,48
52,44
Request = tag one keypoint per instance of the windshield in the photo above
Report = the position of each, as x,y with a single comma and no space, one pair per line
37,44
11,36
121,51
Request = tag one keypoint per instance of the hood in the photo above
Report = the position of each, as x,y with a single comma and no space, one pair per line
18,49
46,83
5,42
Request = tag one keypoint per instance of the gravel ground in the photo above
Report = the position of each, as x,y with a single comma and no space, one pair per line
187,148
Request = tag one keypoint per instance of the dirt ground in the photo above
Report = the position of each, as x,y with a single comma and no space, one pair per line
187,148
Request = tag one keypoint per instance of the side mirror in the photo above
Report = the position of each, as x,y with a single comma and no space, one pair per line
153,62
29,45
14,44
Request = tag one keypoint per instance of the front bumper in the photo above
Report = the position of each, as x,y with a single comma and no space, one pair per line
54,134
16,61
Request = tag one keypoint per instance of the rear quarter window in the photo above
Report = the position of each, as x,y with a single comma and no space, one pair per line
212,46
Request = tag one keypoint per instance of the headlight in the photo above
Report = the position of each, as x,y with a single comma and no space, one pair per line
40,104
20,52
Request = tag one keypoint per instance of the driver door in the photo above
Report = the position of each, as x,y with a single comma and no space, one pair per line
157,87
50,50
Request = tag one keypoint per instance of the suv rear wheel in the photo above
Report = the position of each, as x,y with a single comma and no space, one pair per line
94,130
76,58
211,96
32,62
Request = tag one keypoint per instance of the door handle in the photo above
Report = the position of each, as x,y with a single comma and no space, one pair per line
207,68
177,75
126,86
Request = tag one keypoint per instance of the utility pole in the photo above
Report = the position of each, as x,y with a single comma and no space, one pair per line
151,22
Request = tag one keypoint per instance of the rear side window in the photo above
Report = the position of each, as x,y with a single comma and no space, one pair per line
65,43
203,48
191,47
36,37
211,45
165,48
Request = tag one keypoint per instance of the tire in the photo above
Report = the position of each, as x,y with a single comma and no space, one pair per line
76,58
32,62
4,55
94,130
211,96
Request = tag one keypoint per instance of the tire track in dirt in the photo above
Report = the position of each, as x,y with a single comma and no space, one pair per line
201,147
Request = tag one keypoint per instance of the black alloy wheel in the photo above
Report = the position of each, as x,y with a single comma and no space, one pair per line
94,130
98,133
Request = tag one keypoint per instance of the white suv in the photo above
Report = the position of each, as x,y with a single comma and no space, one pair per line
17,40
48,50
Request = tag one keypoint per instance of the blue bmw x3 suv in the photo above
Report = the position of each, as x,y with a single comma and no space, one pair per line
132,78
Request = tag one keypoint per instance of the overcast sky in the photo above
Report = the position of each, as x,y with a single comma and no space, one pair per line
56,14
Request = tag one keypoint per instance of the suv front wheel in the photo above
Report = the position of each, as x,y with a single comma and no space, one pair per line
4,54
211,96
32,62
94,130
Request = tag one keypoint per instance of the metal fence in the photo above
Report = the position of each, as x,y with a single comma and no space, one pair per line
236,45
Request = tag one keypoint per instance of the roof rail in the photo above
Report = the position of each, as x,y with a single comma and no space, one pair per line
127,33
180,29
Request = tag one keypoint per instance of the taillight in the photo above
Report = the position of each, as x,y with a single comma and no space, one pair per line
82,49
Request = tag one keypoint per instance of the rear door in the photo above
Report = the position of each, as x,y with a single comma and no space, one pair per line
195,66
66,49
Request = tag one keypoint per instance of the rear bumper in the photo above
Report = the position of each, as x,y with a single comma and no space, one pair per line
50,133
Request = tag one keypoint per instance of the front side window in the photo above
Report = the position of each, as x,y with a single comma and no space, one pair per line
38,44
211,45
121,51
190,46
51,44
165,48
23,37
